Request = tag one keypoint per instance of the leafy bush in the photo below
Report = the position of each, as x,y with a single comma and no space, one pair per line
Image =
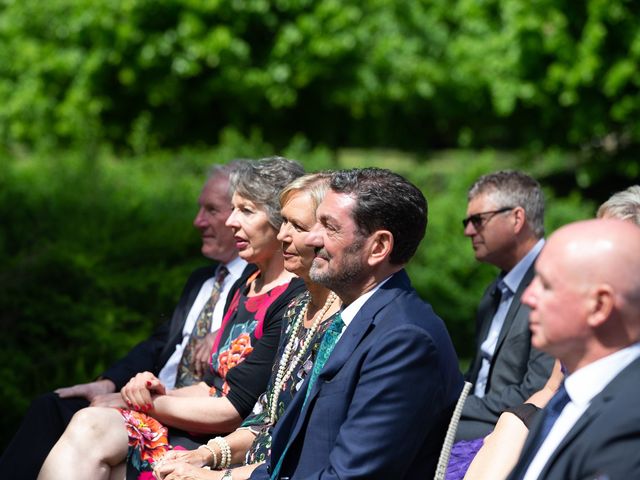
142,74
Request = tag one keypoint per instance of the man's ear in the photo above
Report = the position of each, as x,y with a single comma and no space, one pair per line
519,219
380,245
601,303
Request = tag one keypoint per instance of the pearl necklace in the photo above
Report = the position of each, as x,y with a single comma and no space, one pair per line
284,371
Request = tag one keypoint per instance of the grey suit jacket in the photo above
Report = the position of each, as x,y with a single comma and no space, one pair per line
604,443
517,370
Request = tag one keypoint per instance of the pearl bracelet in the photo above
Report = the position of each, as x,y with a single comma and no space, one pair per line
215,457
225,452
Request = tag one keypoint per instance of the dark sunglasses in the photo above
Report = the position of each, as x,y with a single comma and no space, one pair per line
479,219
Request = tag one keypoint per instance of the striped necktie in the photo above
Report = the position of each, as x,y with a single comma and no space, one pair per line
186,371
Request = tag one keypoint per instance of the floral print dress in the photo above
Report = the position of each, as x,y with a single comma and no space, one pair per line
241,329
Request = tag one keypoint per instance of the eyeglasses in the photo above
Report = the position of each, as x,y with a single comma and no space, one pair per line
479,219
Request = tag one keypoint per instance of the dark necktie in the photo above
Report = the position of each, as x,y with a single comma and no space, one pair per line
186,371
551,414
331,337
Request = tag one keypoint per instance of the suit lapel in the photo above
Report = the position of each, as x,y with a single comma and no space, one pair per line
516,305
350,339
358,328
486,310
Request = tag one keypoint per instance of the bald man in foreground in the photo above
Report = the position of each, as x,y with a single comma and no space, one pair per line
585,311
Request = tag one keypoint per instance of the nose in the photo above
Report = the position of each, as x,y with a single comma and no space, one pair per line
232,221
470,230
200,221
314,238
529,295
284,233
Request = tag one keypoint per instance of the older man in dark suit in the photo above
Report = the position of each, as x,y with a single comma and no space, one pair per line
504,222
176,351
377,406
585,310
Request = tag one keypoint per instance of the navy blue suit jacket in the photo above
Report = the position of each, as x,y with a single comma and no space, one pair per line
382,403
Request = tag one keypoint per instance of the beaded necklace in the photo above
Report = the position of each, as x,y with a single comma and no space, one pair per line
285,371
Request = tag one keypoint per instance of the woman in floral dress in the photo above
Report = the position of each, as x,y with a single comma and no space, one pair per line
98,439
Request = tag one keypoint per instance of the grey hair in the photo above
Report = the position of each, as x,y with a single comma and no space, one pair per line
511,188
624,205
262,180
224,170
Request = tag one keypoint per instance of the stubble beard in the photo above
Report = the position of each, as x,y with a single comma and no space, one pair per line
350,272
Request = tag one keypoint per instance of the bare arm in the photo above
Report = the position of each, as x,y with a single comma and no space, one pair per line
501,448
201,414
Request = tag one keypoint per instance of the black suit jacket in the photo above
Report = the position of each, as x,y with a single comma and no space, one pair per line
151,354
517,369
604,443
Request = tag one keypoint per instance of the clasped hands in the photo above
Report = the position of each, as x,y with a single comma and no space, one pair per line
140,391
184,465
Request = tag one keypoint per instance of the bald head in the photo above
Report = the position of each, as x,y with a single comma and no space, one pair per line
585,299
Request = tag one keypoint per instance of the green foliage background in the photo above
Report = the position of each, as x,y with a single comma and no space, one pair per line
416,74
112,110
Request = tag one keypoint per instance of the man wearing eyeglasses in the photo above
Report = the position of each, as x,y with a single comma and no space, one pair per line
505,216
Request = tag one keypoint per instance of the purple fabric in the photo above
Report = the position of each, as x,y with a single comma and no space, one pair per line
462,454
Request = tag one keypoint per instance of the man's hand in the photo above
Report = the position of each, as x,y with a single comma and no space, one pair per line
109,400
202,354
88,390
137,393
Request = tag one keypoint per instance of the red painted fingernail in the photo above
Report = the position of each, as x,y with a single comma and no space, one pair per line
148,383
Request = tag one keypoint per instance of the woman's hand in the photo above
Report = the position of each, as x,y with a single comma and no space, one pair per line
183,465
138,392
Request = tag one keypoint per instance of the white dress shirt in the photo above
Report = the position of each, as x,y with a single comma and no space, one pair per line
582,386
236,266
351,310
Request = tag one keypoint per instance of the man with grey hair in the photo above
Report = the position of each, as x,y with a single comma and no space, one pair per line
624,205
178,350
505,223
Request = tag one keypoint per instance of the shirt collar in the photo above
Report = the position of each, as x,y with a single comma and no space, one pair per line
349,313
235,267
517,273
587,382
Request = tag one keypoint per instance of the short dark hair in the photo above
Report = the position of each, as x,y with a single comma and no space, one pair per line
385,201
